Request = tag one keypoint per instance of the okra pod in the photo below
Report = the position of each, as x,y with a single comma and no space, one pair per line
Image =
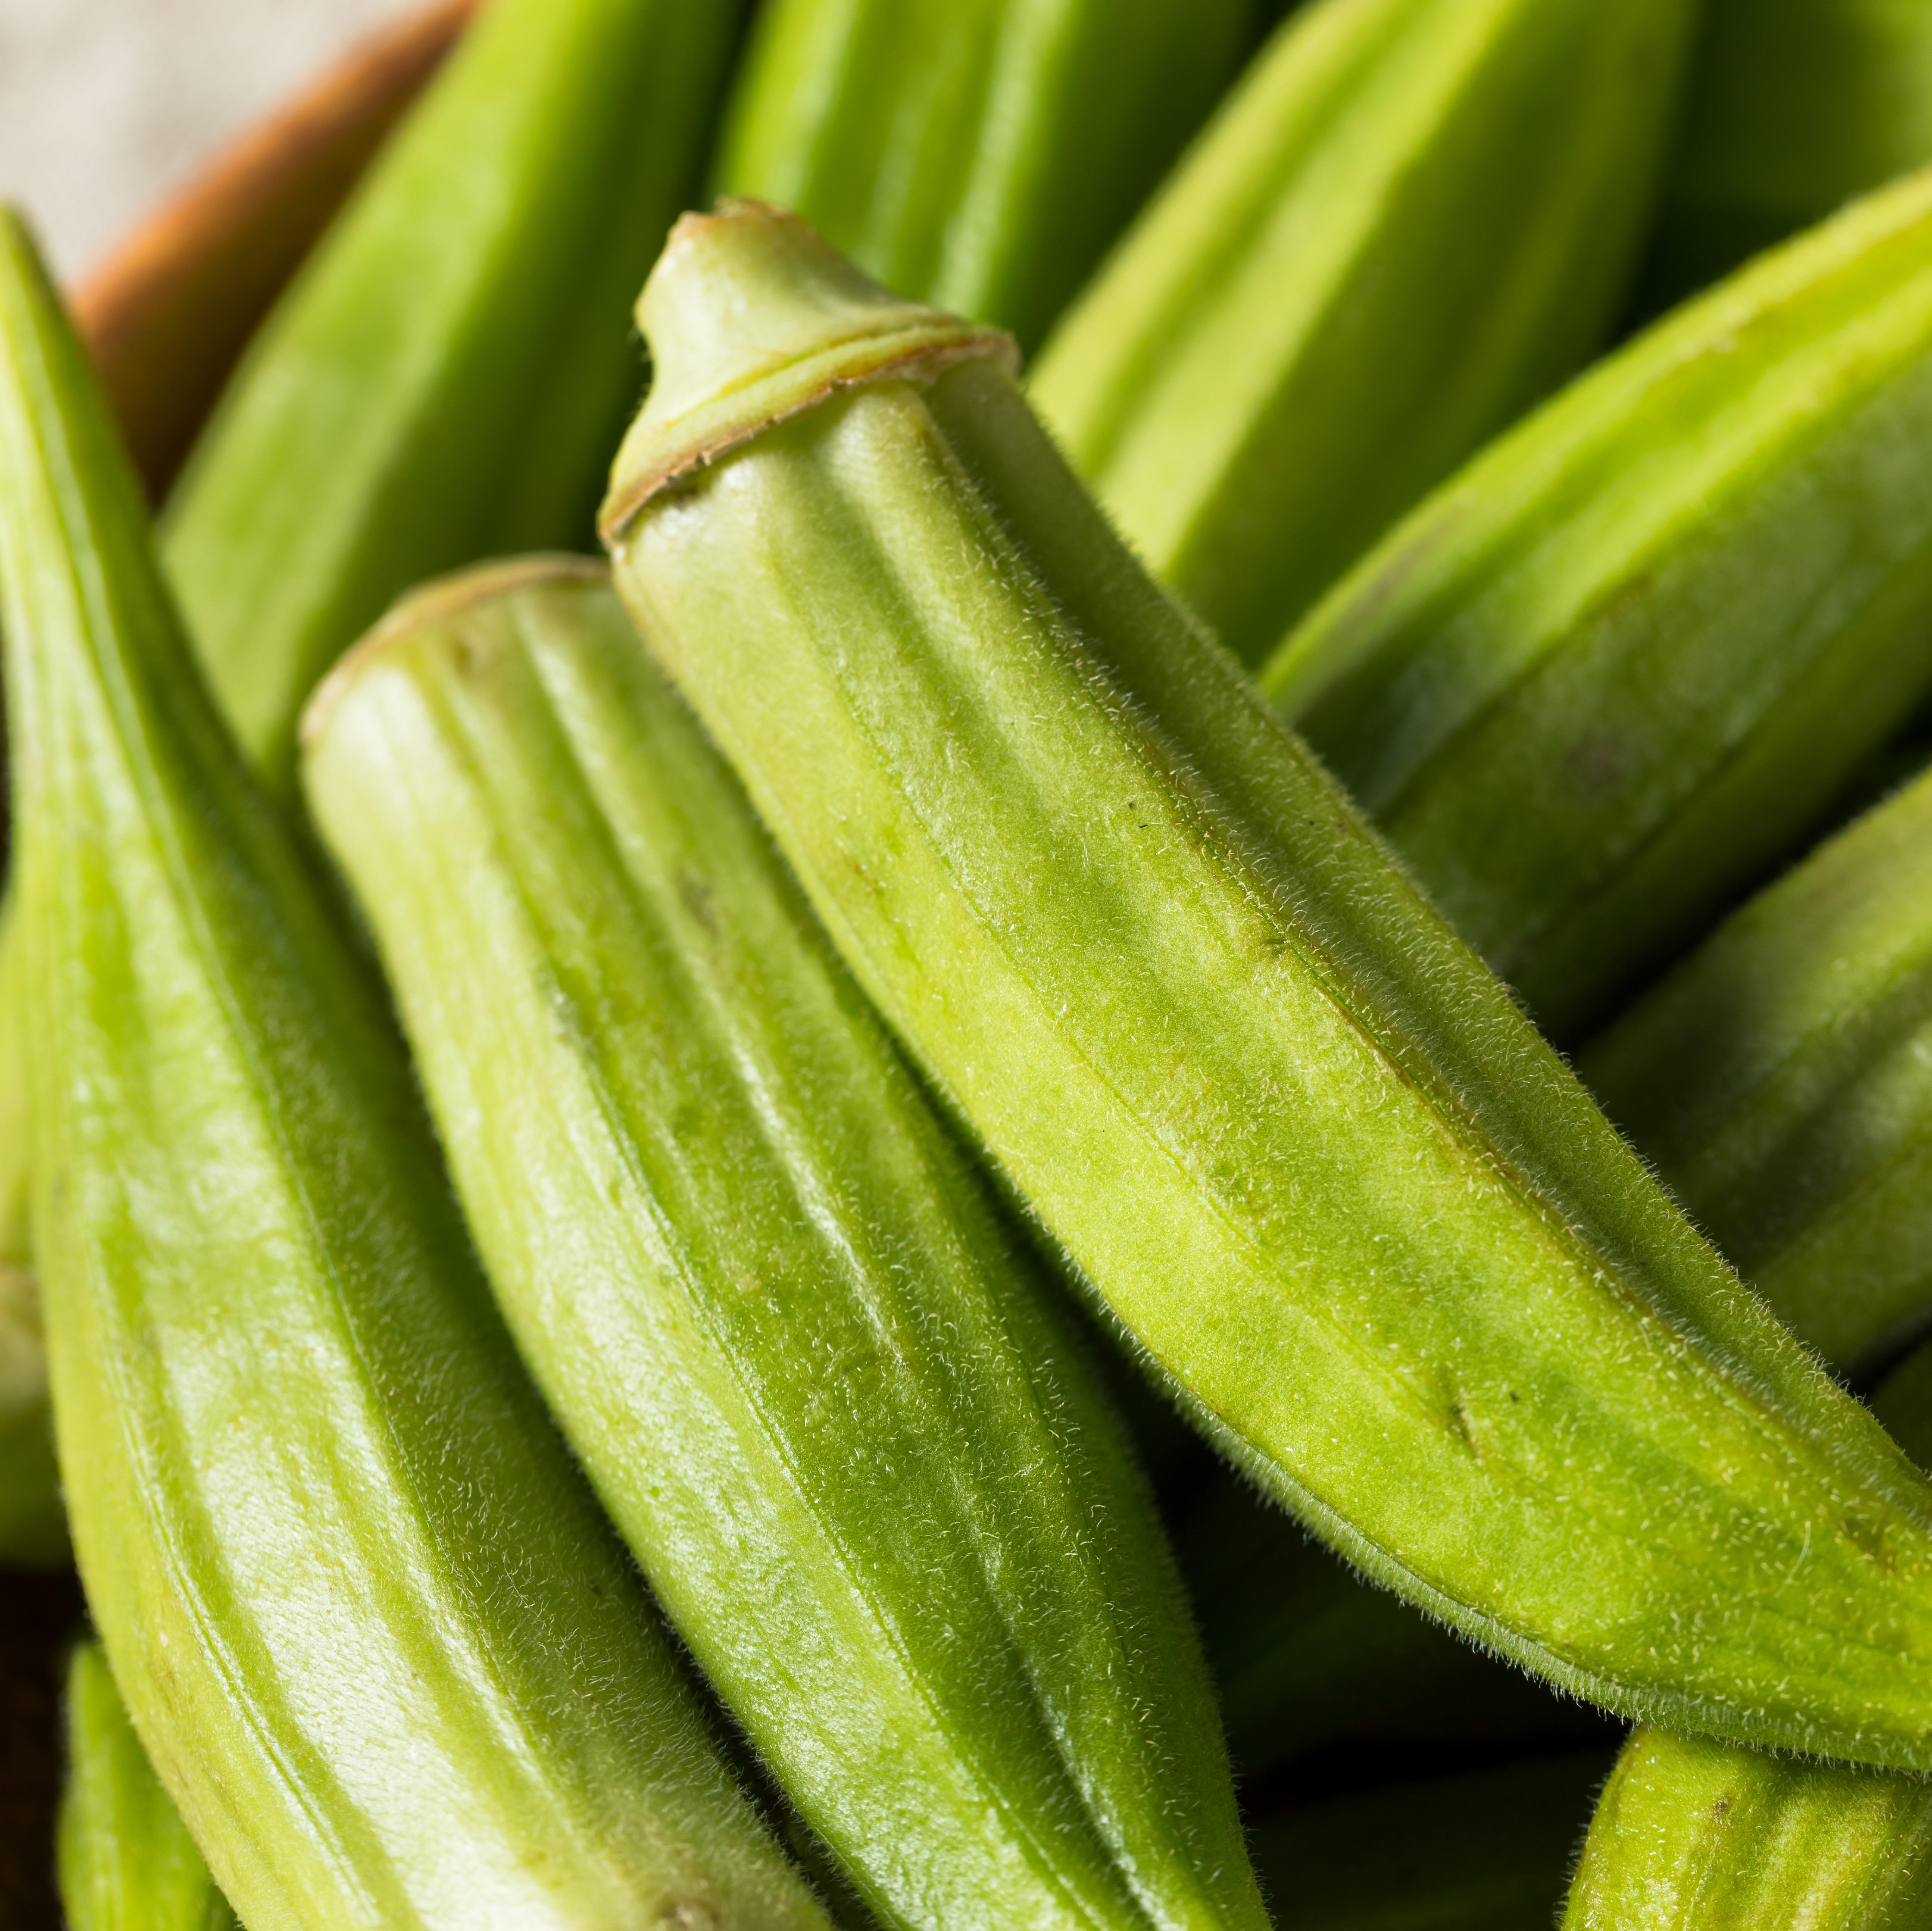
978,154
127,1862
1412,219
834,1412
448,376
1781,1081
1794,107
1295,1139
384,1652
1602,681
1483,1852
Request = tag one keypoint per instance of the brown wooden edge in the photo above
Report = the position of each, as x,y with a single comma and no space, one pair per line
171,309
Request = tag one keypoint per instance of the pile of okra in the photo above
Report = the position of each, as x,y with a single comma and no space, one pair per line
1057,1059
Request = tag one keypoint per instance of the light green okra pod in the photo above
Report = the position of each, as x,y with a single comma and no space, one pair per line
1412,219
1604,678
383,1651
1485,1851
447,376
1780,1080
1794,107
1300,1143
127,1862
978,154
774,1307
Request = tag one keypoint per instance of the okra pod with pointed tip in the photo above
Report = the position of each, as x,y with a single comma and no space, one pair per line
127,1862
447,378
384,1652
1780,1080
832,1407
1794,106
1602,681
1412,219
1296,1140
978,154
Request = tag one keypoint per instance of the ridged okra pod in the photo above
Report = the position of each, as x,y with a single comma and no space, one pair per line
1692,1836
1794,106
1412,219
384,1651
447,378
1483,1852
1604,678
978,154
1296,1139
836,1413
1781,1081
127,1862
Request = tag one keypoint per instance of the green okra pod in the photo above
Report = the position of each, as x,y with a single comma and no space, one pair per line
448,375
1794,106
385,1653
1486,1851
1781,1081
836,1416
1603,680
978,154
127,1862
1412,219
1296,1139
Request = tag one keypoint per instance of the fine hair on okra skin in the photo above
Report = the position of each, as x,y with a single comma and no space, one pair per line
1291,1135
823,1392
385,1654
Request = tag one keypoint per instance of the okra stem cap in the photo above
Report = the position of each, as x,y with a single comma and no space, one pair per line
752,317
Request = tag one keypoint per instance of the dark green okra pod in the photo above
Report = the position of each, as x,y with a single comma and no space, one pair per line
447,378
383,1651
835,1415
1600,682
1297,1141
1412,219
978,154
1794,107
1780,1080
127,1862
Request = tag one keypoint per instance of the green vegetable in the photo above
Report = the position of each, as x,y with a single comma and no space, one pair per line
1306,1655
1490,1851
773,1305
1691,1834
1603,680
980,154
1306,1150
1794,107
1412,219
384,1652
448,377
127,1863
1780,1080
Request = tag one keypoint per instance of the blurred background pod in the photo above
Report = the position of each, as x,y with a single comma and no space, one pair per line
1410,220
1610,674
979,155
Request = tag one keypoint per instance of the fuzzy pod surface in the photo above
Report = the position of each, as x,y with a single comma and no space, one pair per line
774,1306
447,377
1295,1139
1411,221
127,1862
1604,678
1780,1080
384,1652
1794,107
980,154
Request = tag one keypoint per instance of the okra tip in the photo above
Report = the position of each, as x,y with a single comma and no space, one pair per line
439,599
752,317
